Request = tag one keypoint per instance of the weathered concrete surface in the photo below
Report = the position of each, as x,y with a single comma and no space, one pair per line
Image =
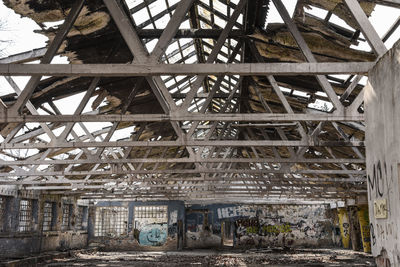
260,225
17,244
382,105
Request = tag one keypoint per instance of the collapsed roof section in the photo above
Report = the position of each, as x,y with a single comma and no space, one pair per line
314,149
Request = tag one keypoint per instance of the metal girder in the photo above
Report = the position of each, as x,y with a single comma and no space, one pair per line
185,143
171,181
218,168
116,171
214,53
226,188
50,53
25,56
322,193
156,69
190,33
227,117
322,80
366,27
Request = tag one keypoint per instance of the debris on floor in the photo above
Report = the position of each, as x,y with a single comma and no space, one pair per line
262,257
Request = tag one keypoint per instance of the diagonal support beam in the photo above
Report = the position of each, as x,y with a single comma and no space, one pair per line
48,56
214,53
366,27
30,107
322,80
128,32
172,28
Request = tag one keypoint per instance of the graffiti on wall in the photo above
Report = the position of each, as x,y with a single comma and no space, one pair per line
380,182
275,229
153,234
253,227
151,225
247,226
263,225
236,211
379,178
173,217
344,224
373,236
364,227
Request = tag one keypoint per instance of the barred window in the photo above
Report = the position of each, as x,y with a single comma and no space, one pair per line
111,221
66,217
25,215
147,212
80,218
151,225
48,216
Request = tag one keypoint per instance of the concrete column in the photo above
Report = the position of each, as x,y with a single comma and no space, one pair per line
364,226
382,115
13,216
91,221
333,215
355,233
344,227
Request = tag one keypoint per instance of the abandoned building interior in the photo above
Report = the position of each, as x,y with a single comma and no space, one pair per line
212,132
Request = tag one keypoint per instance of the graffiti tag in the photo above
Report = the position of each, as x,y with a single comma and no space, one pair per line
276,229
377,181
153,235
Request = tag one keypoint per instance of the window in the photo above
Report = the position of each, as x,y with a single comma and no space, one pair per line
66,217
80,219
111,221
25,215
151,225
48,216
151,212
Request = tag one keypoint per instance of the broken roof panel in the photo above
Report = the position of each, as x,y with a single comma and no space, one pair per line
212,31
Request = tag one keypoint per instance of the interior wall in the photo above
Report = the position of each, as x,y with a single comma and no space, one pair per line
148,233
16,243
259,225
382,109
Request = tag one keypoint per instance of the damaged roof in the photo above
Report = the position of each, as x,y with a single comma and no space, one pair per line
251,157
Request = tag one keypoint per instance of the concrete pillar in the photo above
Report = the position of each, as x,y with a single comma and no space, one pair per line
364,226
91,221
344,227
333,215
355,233
382,115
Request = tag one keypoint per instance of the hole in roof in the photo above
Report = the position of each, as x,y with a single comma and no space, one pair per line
389,14
141,16
338,21
273,14
316,11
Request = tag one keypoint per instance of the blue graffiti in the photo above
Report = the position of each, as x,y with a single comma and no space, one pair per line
153,235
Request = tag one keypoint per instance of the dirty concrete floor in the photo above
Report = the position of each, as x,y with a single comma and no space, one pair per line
266,257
